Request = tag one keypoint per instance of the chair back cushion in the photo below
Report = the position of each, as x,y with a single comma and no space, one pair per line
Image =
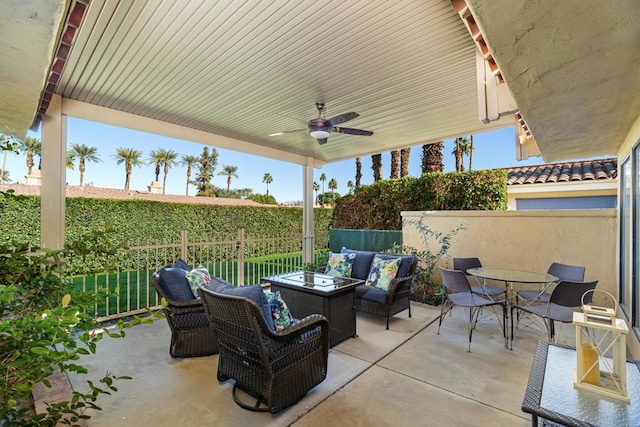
174,283
362,263
253,293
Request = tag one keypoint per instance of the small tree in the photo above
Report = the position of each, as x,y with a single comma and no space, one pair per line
207,167
333,186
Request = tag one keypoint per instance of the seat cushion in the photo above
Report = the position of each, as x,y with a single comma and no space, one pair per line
362,263
174,283
279,311
371,294
340,265
383,271
253,293
198,277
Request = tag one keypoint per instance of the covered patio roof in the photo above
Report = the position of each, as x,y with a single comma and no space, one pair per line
231,73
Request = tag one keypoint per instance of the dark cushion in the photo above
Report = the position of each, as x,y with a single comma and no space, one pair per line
405,263
362,264
174,283
253,293
182,264
371,294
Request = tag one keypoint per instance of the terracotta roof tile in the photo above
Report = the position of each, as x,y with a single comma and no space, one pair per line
118,194
583,170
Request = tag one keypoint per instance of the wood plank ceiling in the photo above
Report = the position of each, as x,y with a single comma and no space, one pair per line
248,69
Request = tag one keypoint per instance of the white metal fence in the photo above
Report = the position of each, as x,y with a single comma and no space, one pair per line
124,280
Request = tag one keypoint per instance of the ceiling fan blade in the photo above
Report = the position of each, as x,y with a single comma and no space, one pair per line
322,141
285,132
341,118
351,131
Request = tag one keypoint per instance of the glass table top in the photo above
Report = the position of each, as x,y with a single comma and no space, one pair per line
511,275
309,279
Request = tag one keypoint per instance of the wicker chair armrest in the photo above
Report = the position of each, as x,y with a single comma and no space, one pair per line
183,307
396,285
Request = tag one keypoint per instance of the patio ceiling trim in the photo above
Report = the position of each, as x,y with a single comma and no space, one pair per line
83,110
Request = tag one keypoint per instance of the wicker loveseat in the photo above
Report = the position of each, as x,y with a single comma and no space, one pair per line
191,333
376,301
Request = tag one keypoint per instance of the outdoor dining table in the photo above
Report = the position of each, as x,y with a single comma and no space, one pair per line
510,276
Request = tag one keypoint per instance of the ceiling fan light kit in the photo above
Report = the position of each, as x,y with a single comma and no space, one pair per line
320,128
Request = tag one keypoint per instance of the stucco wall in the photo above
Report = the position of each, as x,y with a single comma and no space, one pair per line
529,240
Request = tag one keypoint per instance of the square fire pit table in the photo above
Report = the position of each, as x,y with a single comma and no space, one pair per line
307,292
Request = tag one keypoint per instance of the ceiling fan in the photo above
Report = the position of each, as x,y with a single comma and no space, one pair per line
320,128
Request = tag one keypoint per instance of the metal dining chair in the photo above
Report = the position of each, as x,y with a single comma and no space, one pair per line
461,295
565,297
571,273
482,288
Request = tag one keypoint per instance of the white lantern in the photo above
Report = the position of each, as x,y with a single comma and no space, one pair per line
601,351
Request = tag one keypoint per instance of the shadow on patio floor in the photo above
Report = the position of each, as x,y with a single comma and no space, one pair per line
405,376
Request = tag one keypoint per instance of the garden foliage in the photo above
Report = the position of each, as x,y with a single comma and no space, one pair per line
378,206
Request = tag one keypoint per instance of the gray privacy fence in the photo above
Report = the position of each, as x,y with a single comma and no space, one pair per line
125,286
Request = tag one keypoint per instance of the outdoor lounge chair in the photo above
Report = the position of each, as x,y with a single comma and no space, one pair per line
276,368
191,333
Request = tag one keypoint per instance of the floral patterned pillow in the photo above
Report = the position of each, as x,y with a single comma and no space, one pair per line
198,277
340,265
383,271
279,311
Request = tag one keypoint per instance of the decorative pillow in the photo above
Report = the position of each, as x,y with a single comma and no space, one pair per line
383,271
280,312
174,283
340,265
253,293
198,277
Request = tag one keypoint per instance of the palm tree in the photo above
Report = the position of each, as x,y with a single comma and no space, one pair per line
316,188
432,157
31,147
188,161
333,185
458,152
130,158
268,179
376,165
229,172
323,178
350,186
156,157
358,171
84,154
470,152
395,158
404,161
4,177
70,160
165,158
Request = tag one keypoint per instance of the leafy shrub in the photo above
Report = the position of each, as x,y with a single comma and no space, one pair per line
44,325
378,206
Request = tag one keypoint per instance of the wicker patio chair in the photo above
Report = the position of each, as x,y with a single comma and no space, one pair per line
571,273
462,296
481,287
276,368
191,333
564,298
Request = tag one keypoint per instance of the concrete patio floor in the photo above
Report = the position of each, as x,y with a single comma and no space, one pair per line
406,376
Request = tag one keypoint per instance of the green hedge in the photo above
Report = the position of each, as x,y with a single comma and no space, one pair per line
378,206
139,221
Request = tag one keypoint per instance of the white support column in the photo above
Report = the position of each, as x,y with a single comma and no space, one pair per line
53,187
308,238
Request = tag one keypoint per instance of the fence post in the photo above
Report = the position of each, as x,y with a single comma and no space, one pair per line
183,245
240,249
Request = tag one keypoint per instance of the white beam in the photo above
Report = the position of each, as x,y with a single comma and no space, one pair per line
83,110
53,187
308,237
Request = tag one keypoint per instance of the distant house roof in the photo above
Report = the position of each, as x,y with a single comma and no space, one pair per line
583,170
117,194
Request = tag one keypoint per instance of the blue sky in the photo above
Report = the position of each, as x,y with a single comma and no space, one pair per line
492,150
